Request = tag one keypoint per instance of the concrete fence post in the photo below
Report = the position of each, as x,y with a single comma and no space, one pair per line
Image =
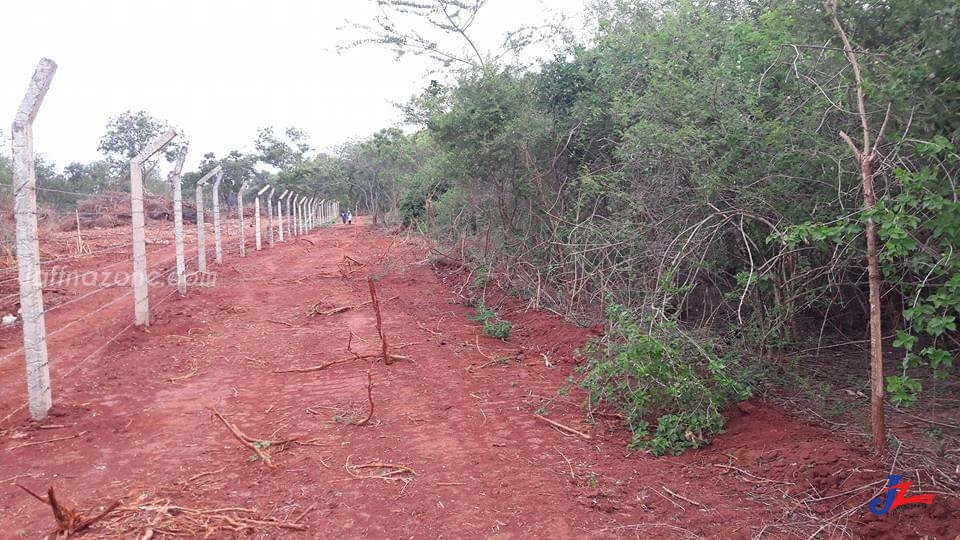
294,228
201,222
280,212
243,233
256,216
40,395
217,241
141,293
300,220
270,214
304,212
175,183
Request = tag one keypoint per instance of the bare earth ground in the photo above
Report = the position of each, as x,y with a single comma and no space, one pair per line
452,448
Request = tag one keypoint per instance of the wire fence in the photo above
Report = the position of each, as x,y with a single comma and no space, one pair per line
77,270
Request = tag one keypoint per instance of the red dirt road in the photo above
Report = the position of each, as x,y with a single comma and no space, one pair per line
453,438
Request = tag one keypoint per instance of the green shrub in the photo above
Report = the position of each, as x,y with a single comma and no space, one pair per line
499,329
493,325
658,375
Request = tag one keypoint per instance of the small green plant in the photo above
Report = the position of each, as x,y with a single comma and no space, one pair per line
481,279
656,375
483,313
493,325
592,479
499,329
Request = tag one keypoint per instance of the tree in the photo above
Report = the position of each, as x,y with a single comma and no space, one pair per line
238,167
866,155
441,17
280,153
425,27
127,134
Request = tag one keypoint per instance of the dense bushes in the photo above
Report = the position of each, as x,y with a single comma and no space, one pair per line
687,163
669,387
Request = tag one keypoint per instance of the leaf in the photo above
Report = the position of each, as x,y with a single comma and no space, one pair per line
905,340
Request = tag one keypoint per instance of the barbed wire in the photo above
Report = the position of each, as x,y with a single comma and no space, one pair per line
91,355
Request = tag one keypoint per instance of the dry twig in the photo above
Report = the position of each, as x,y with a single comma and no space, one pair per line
35,443
370,399
389,472
681,497
385,347
257,445
558,425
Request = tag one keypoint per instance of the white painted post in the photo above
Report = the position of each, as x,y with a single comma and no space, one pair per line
40,396
201,221
289,201
270,213
306,214
300,215
305,206
294,229
256,214
141,294
217,244
280,211
175,182
243,233
320,212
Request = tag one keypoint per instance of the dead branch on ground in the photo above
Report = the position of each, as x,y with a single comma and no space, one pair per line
389,472
257,445
316,307
69,520
35,443
384,346
558,425
369,398
325,365
163,518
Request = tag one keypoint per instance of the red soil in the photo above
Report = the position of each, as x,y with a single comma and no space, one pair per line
134,421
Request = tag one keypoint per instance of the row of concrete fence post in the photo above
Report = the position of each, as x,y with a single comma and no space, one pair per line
303,214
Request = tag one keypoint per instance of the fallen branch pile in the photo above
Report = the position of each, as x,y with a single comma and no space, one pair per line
143,521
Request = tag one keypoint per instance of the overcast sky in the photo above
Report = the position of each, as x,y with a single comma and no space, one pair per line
216,69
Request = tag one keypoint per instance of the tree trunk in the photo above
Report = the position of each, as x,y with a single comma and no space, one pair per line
878,427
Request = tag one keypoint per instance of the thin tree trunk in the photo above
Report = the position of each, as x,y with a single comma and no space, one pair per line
866,157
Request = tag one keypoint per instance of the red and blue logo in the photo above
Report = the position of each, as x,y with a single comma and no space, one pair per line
896,496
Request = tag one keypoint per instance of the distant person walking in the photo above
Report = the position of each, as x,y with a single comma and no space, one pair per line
349,217
343,217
